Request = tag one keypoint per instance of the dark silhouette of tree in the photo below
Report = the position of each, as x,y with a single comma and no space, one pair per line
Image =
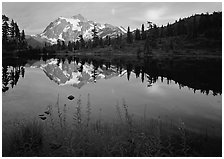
70,47
5,29
95,36
129,69
82,42
23,43
108,40
143,35
58,44
23,35
169,30
12,29
137,34
129,36
153,35
137,71
5,79
17,31
77,45
101,43
63,46
162,32
150,25
147,47
23,71
143,73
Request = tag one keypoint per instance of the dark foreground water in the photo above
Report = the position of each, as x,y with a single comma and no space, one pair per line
173,89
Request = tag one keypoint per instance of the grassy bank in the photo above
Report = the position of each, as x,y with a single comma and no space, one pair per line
54,134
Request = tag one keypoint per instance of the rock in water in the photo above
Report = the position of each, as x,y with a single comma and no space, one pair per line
47,112
43,117
71,97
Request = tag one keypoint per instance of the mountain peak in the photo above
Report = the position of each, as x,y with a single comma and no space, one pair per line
69,29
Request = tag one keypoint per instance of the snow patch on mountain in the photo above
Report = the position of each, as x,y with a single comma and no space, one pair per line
73,22
66,28
122,29
57,23
60,37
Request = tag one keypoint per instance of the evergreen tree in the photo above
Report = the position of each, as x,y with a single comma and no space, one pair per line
17,32
77,45
143,33
23,35
12,29
129,36
147,48
5,29
137,34
22,42
63,45
82,41
162,32
95,36
70,47
108,41
101,43
150,25
58,44
169,30
155,31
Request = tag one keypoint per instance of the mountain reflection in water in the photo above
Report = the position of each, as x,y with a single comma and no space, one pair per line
78,74
197,74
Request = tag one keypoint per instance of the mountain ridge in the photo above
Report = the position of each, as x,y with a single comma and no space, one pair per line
69,29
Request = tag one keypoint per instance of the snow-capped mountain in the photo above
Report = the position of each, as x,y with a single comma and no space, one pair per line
69,29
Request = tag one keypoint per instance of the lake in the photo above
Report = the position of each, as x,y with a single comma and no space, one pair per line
174,89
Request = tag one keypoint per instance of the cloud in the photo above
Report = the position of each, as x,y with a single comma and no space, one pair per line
113,11
154,14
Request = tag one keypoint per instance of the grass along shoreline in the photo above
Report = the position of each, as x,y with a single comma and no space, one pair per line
55,136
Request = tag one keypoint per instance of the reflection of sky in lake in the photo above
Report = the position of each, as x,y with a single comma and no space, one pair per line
34,92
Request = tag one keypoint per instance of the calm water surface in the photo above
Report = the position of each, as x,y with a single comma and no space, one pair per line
172,89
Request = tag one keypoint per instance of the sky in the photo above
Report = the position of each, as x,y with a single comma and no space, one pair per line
34,17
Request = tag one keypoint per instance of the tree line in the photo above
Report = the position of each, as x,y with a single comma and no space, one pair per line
198,26
12,37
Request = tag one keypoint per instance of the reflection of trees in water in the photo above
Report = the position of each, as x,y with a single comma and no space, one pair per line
199,75
129,70
5,79
11,76
195,74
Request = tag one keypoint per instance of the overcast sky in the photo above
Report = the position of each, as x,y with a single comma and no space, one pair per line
34,17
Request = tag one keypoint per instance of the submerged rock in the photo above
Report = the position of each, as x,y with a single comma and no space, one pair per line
71,97
47,112
43,117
